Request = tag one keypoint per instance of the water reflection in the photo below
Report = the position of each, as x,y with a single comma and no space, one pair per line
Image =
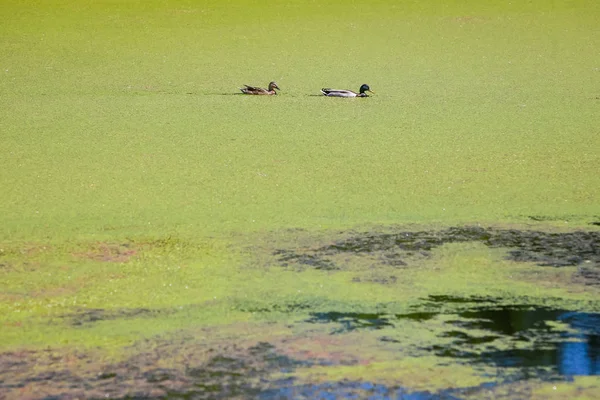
528,338
573,351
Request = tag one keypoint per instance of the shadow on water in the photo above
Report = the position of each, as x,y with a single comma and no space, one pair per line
529,339
351,321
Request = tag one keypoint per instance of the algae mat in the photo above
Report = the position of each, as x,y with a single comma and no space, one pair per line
463,312
163,236
120,116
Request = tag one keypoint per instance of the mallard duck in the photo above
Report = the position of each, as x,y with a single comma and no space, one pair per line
347,93
257,90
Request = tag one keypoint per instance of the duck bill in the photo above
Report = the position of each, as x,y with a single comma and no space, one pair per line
370,91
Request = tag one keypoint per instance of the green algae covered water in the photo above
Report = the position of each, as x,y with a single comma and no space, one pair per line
158,229
121,116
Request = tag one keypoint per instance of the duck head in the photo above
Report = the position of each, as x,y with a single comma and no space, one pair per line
365,88
273,86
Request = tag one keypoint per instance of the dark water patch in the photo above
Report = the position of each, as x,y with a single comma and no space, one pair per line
550,249
196,372
351,321
588,274
287,257
160,375
222,375
516,321
107,375
462,300
468,340
528,338
231,376
287,307
91,315
384,280
418,316
568,358
398,249
274,360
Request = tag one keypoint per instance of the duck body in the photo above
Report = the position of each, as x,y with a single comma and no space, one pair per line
347,93
260,91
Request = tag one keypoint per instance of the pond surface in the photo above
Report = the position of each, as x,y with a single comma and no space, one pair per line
378,315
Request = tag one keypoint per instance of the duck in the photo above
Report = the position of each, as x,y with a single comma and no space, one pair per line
260,91
347,93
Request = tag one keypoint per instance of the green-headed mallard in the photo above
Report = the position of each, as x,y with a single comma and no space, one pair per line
260,91
347,93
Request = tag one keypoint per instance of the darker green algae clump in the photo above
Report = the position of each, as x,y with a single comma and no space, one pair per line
396,249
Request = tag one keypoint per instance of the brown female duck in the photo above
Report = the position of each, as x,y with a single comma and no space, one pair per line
260,91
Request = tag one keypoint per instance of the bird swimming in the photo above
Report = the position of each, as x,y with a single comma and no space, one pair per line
347,93
260,91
